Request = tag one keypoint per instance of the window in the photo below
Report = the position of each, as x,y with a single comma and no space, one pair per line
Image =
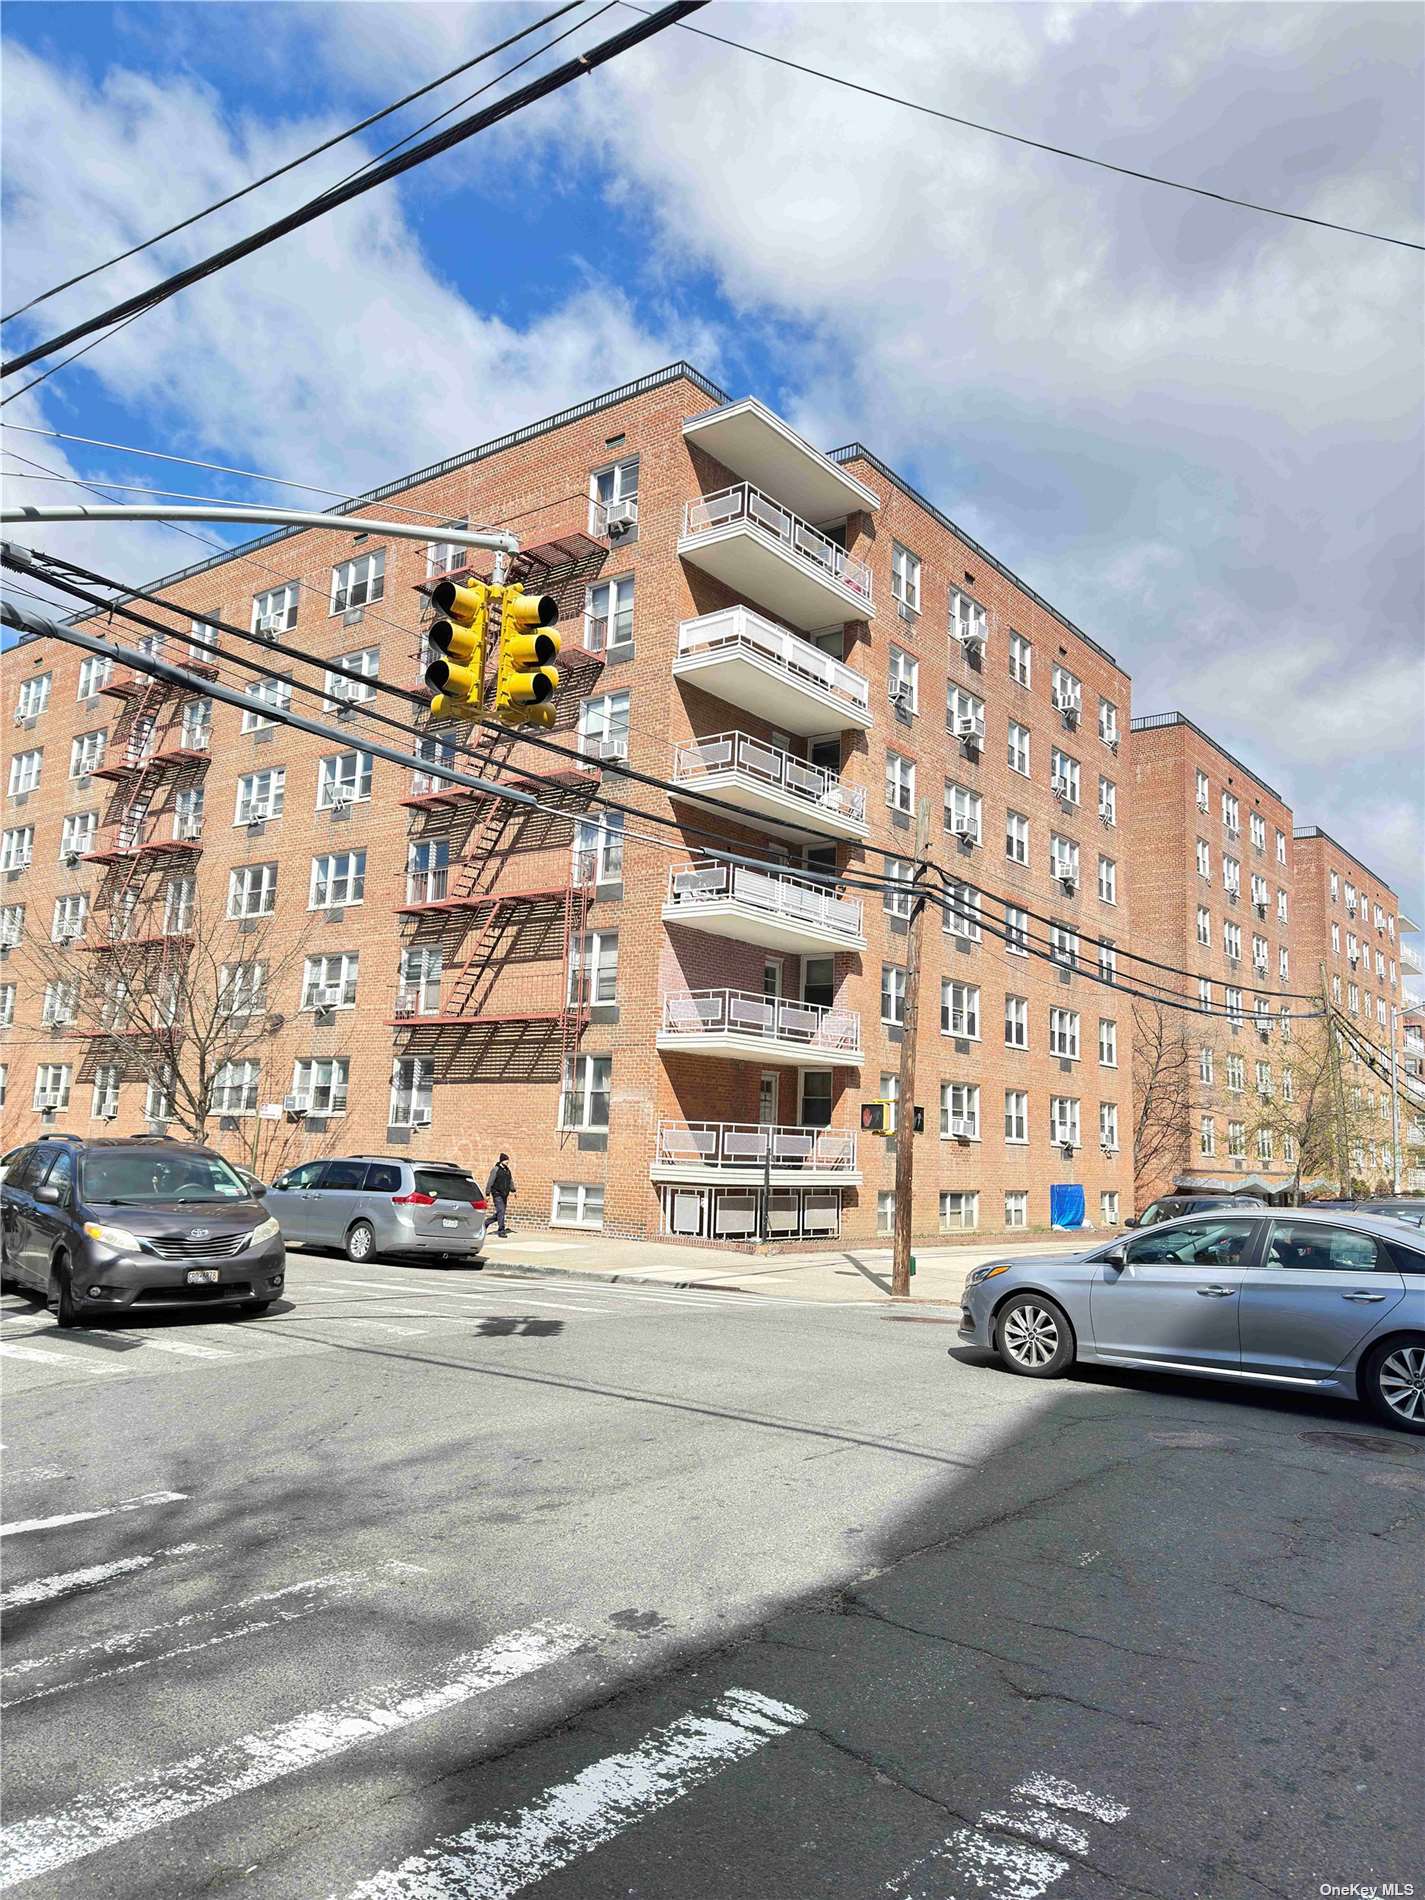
1203,792
962,913
188,812
1019,748
1016,837
158,1102
1063,945
608,486
242,988
603,726
1064,1034
1204,926
1335,989
320,1084
1207,1135
1108,1207
1259,953
1016,931
349,682
12,925
893,995
1063,858
446,557
959,1111
69,915
275,611
1064,776
252,890
1260,893
968,619
25,771
1107,962
1021,659
329,982
52,1085
1064,1120
1107,1043
1108,801
7,1005
903,680
179,897
1232,940
576,1204
897,903
34,695
1108,722
57,1008
1281,847
1231,814
343,778
1108,1126
1204,1065
965,716
202,639
1236,1140
260,796
1257,826
886,1211
964,813
584,1098
1016,1207
1236,1074
1232,876
608,614
1016,1116
1016,1022
1204,992
593,968
338,879
1281,907
411,1080
1108,880
421,970
86,752
1263,1073
1335,887
960,1009
959,1211
95,672
598,849
234,1090
1204,859
1336,940
1068,693
359,582
196,726
905,577
900,782
105,1103
17,847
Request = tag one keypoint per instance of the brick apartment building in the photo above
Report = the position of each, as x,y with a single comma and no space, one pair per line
1226,886
654,1033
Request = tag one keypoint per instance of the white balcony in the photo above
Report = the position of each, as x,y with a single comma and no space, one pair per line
772,909
757,446
746,660
776,1031
744,1153
1410,959
782,792
757,547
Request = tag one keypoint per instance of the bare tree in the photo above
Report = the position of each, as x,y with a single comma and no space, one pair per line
1165,1059
1322,1113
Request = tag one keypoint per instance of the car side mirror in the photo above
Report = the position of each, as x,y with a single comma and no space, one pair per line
48,1194
1133,1221
257,1189
1116,1256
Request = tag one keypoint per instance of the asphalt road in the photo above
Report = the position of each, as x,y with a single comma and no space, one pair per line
432,1584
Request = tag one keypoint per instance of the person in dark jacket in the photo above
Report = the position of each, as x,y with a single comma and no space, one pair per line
499,1187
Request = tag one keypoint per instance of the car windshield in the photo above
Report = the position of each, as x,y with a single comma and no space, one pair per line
138,1177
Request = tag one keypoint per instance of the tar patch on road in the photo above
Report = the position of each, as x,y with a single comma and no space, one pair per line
639,1622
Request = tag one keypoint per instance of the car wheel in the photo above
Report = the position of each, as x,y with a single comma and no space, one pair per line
62,1295
1033,1337
1393,1384
361,1242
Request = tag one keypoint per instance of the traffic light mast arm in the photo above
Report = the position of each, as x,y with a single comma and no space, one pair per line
489,538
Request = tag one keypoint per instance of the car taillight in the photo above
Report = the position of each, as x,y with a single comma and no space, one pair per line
480,1204
417,1199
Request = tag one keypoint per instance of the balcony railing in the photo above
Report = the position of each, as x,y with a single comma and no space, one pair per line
821,1030
744,503
789,899
770,766
427,887
735,629
1410,959
791,1149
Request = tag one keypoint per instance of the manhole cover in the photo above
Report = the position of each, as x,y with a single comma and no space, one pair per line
1381,1447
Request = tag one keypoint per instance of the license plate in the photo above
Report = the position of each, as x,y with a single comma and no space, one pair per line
201,1276
447,1221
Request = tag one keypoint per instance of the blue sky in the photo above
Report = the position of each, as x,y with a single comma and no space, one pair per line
1196,430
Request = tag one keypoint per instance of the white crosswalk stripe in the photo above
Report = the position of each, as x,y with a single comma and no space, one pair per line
205,1779
66,1583
146,1502
1007,1854
57,1361
500,1858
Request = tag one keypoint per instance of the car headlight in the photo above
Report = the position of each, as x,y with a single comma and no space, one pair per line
984,1273
116,1237
269,1230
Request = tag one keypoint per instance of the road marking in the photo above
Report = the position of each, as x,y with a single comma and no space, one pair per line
455,1293
66,1362
314,1593
83,1517
186,1348
1003,1865
380,1325
499,1858
1063,1794
65,1582
185,1787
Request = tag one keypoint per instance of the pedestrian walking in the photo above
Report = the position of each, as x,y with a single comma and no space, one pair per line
499,1187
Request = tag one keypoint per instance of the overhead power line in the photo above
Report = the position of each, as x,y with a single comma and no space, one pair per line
453,135
1039,145
292,164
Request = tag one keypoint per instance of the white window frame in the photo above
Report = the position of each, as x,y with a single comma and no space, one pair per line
95,672
1107,800
330,970
17,848
585,1213
1065,776
959,1101
71,912
350,879
903,678
350,680
893,995
962,913
1018,749
412,1092
323,1083
1064,1034
598,849
1016,1118
905,577
959,1009
1107,1042
900,781
593,967
358,582
1016,1019
34,695
1016,931
260,796
242,987
1016,1208
52,1079
604,723
1107,880
581,1088
277,606
246,881
25,771
1016,837
86,752
966,1220
964,811
104,1100
1065,1122
235,1088
615,610
1107,721
1021,659
1108,1126
898,871
343,778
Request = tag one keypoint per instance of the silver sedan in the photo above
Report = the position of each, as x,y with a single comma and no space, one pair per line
1320,1302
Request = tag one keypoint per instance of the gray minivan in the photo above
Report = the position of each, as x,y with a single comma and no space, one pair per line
365,1205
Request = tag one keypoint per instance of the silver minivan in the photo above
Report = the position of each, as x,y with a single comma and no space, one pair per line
365,1205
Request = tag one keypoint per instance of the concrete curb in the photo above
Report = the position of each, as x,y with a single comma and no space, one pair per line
590,1276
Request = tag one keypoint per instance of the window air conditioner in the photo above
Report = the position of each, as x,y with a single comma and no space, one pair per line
619,517
1069,883
1060,788
965,836
420,1118
341,801
327,998
1113,747
71,859
969,726
109,1114
268,626
961,1128
296,1104
1068,1150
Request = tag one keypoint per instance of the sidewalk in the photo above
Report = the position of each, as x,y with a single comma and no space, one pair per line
859,1275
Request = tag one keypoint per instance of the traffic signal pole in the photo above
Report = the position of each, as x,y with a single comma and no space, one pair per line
489,538
905,1103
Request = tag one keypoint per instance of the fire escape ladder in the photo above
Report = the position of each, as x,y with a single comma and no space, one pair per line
474,967
577,985
134,797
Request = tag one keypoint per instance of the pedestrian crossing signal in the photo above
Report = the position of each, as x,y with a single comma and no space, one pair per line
525,680
457,676
875,1118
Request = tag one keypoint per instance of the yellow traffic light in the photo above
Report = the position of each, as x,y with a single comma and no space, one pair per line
458,678
525,681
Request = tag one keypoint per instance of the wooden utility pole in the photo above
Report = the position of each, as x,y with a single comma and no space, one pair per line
905,1102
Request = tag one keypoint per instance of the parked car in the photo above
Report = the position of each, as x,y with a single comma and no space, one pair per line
109,1225
1407,1207
1312,1302
1173,1206
381,1204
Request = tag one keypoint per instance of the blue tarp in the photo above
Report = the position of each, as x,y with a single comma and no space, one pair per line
1066,1206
